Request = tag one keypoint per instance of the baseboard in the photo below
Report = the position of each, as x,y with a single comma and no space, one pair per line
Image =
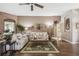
75,42
67,41
70,41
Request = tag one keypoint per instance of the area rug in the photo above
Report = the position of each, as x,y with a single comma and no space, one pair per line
40,47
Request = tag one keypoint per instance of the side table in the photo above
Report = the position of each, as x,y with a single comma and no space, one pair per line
57,39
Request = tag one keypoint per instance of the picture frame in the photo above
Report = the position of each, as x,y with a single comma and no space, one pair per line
67,24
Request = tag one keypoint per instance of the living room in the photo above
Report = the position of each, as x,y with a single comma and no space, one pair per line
39,29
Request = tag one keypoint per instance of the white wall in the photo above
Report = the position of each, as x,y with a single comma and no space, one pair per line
75,31
28,21
72,35
66,35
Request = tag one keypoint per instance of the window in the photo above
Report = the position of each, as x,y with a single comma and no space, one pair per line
9,27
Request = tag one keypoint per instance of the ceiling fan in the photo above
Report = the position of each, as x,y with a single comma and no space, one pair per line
32,5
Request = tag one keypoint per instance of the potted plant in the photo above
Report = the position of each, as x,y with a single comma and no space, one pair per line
20,28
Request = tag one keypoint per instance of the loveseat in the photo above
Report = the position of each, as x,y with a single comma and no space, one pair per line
39,36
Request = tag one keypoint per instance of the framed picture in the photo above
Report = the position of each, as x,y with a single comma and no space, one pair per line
77,25
67,24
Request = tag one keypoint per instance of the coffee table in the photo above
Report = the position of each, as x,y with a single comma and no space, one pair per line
40,47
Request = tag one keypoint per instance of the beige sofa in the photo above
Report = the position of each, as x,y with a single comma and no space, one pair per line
38,36
21,40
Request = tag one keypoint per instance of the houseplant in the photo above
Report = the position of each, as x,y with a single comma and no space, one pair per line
20,28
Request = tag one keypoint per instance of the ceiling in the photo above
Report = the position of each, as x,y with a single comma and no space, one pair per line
50,9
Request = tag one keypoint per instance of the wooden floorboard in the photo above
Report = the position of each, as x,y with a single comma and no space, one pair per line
68,49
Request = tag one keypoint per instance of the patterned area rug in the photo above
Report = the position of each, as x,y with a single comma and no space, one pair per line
40,47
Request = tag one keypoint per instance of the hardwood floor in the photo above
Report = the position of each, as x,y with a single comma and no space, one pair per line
65,48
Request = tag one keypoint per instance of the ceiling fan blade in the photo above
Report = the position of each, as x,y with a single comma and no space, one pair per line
38,5
24,3
31,7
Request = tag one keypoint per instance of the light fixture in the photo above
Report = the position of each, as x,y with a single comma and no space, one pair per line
32,5
48,24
